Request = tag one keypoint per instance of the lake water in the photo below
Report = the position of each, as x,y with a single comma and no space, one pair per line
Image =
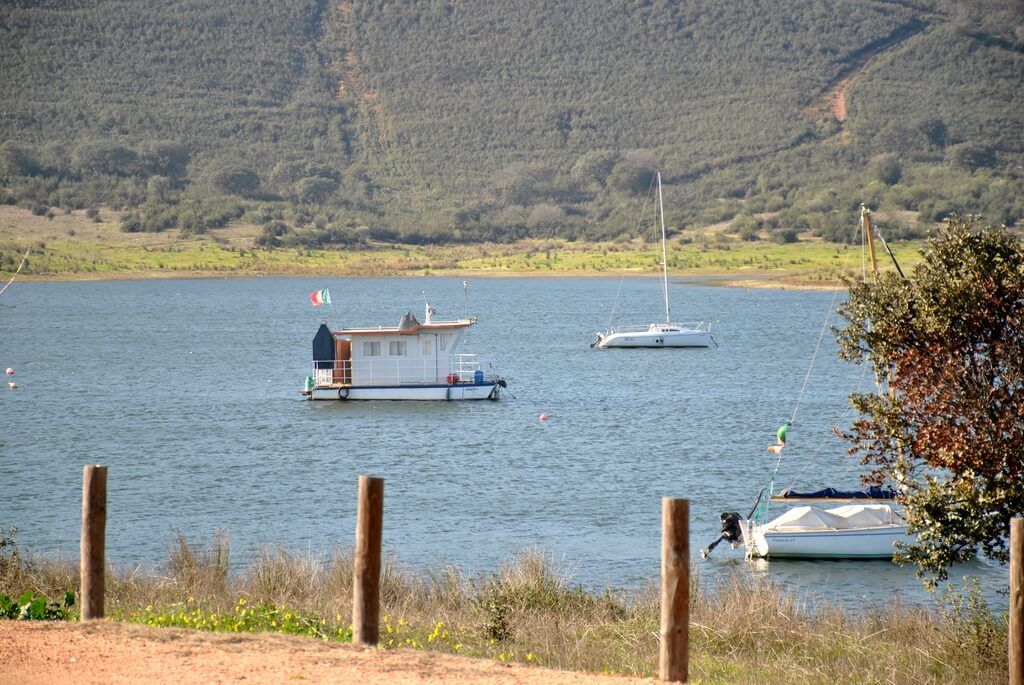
187,391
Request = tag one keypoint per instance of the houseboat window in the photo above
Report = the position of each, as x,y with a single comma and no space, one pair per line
445,339
371,349
428,347
396,348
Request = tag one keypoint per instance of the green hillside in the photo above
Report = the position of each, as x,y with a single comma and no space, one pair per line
338,123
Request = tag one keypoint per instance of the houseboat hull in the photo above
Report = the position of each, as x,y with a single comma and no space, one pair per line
486,391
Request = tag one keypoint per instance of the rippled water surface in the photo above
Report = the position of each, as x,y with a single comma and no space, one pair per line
187,391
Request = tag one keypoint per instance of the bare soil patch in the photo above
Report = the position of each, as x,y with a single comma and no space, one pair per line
108,652
19,225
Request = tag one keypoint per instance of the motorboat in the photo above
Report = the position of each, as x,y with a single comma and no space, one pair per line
864,528
867,526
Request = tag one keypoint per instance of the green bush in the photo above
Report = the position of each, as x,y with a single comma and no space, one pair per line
32,607
783,235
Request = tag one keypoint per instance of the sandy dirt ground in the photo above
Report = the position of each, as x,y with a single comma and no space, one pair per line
107,652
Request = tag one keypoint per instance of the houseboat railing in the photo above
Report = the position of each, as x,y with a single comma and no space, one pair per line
459,368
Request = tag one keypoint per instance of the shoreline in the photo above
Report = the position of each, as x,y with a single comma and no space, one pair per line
720,278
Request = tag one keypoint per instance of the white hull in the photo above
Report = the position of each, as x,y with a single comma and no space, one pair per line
409,392
852,531
666,334
856,543
684,338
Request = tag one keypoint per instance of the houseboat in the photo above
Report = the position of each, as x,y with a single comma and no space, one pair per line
410,361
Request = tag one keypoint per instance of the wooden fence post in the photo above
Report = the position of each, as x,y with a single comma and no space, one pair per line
1016,627
94,523
366,576
675,590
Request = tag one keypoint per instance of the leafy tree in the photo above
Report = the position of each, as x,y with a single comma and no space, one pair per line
632,175
592,168
17,160
934,130
520,182
950,339
158,189
105,157
313,189
970,156
887,169
747,226
357,183
839,226
233,178
784,235
271,234
545,216
165,158
131,223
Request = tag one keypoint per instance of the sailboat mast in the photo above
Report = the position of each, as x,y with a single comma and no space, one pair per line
664,253
865,220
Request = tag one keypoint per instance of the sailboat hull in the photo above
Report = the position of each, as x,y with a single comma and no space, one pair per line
682,338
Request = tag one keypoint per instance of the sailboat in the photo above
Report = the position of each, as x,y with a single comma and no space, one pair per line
865,525
667,334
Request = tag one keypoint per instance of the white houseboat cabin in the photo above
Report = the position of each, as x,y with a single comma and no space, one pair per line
410,361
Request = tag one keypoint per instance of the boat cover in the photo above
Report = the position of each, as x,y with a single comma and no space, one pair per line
323,348
800,519
873,492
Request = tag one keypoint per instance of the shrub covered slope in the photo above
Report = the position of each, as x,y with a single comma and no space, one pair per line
337,123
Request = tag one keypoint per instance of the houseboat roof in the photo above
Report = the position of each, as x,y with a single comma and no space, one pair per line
408,326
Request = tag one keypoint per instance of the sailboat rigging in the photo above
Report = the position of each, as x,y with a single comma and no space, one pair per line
864,527
667,334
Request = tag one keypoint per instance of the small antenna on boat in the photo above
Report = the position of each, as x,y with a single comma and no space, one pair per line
465,296
429,311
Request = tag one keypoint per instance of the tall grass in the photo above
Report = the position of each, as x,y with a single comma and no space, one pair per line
745,630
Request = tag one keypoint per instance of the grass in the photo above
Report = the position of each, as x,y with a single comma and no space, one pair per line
74,246
743,631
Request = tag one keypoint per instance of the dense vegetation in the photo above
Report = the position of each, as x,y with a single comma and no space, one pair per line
423,122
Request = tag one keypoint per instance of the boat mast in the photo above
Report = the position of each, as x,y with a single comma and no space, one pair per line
865,220
664,253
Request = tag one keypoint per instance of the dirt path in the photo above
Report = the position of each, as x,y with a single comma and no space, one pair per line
833,100
836,98
107,652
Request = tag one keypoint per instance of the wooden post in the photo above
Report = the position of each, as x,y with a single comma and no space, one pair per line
94,523
366,576
675,590
1016,627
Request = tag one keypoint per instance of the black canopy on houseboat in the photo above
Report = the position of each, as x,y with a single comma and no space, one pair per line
323,348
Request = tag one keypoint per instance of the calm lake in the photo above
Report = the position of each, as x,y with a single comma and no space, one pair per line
188,391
